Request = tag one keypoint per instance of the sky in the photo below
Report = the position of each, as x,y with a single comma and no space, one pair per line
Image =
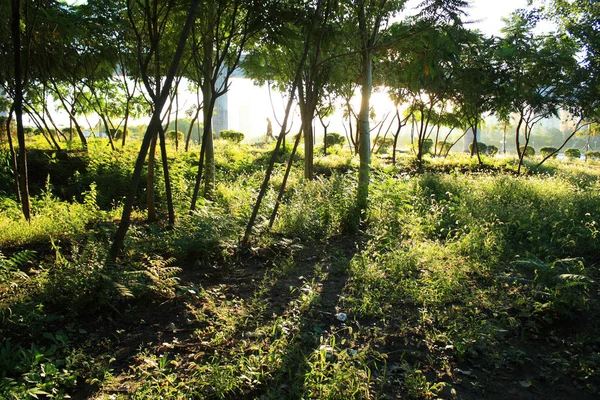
487,15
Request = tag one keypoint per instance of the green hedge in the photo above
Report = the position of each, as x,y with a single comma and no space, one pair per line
547,150
529,151
232,136
573,154
593,154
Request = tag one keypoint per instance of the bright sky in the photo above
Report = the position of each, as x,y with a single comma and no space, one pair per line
487,14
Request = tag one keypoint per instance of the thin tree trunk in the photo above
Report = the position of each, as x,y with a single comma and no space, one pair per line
285,179
578,127
209,149
71,116
165,165
150,192
41,125
199,174
13,154
176,122
191,129
305,102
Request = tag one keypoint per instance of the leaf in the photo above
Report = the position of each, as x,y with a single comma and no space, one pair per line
123,290
526,383
573,277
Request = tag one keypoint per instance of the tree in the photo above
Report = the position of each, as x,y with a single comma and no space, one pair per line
476,79
219,38
578,20
539,71
152,130
419,68
371,18
18,108
294,85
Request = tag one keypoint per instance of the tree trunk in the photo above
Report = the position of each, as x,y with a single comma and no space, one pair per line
209,149
151,131
165,165
364,133
71,117
13,155
306,112
199,174
285,179
176,122
125,122
150,193
191,129
18,105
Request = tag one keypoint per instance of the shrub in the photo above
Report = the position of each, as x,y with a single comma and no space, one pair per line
335,138
384,142
172,135
482,147
572,154
443,147
427,146
547,150
593,154
232,136
492,151
529,151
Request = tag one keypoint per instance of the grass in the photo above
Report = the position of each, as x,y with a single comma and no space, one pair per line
463,282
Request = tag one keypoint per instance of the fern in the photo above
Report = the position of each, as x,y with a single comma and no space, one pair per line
10,267
157,276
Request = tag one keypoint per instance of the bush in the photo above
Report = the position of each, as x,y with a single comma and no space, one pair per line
335,138
492,151
384,142
232,136
573,154
443,147
529,151
593,154
547,150
482,147
172,135
427,146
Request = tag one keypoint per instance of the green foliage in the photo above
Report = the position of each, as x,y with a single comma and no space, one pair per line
427,146
492,150
460,262
51,219
573,154
318,209
443,147
482,147
528,152
117,134
561,287
334,138
384,142
174,135
593,154
38,370
232,136
547,150
11,268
